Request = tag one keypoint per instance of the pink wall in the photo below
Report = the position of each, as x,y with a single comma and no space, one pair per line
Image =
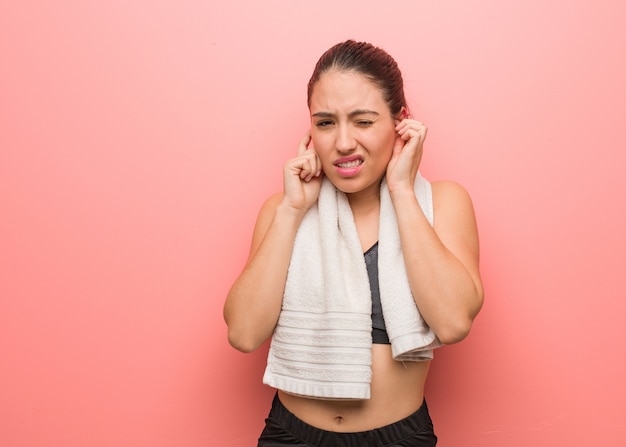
139,138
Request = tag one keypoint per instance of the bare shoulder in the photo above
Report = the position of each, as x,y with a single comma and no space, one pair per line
450,197
454,218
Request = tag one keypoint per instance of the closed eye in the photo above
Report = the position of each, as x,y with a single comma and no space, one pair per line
364,123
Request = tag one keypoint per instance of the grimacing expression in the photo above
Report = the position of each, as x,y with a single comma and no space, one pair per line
352,130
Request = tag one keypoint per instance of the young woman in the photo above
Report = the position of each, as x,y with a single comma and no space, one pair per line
350,352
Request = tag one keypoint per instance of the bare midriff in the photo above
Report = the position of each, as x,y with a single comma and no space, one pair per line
397,391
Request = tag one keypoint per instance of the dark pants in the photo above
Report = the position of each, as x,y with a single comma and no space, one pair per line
282,428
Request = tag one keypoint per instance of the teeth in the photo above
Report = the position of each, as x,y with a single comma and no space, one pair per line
350,164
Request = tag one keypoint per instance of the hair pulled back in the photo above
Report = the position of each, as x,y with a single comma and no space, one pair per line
367,60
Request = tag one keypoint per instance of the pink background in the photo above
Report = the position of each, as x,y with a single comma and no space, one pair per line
139,138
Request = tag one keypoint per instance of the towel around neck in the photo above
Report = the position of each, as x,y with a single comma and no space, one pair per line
322,343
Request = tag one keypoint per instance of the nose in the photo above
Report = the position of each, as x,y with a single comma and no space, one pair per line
345,139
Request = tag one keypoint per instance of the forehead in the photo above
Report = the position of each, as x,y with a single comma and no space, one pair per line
344,91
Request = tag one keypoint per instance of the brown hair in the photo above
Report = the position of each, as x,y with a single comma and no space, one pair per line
369,61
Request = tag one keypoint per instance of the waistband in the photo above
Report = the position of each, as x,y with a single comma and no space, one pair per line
416,422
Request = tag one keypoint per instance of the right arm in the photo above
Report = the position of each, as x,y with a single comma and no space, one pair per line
254,302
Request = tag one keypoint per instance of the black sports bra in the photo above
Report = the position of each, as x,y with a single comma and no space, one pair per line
379,331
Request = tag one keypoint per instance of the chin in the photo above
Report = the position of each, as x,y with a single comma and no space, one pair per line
353,186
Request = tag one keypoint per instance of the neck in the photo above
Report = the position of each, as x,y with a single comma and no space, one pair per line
365,201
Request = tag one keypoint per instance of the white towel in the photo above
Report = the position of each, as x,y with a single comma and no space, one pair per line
322,343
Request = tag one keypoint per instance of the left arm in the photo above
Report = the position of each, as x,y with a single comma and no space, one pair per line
442,261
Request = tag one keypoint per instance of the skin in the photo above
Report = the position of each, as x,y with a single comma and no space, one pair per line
355,141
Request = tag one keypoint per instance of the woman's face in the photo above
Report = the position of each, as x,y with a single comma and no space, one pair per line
352,130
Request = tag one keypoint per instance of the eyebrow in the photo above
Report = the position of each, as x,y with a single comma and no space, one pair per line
351,114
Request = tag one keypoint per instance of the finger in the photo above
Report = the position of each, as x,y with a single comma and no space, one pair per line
305,168
417,131
403,124
398,145
308,166
409,123
314,164
304,143
420,133
406,133
318,165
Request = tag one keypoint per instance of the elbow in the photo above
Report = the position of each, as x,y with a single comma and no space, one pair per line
238,337
244,335
454,332
242,343
458,328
